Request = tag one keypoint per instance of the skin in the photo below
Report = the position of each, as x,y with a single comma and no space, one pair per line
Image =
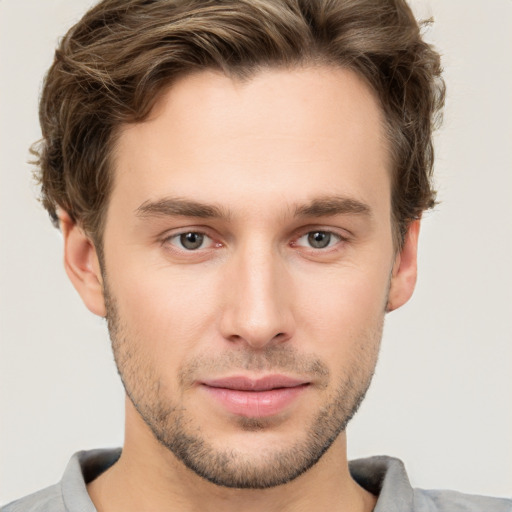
273,155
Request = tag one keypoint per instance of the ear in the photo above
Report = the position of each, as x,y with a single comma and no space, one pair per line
82,264
405,269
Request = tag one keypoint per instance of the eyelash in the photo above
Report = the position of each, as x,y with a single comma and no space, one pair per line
338,239
330,236
178,236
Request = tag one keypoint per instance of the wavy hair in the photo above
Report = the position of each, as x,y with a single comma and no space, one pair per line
111,67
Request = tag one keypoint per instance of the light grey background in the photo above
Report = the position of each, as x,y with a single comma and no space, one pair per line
441,399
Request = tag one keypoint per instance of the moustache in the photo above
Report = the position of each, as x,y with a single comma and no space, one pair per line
276,359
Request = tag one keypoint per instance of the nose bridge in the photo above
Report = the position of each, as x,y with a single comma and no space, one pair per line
258,311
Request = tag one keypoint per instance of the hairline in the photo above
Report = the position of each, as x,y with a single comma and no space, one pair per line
244,74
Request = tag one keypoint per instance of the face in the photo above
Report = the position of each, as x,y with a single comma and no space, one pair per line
248,264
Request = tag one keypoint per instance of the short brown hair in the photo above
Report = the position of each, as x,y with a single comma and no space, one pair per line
110,68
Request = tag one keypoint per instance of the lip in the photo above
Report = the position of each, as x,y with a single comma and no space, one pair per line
255,397
265,383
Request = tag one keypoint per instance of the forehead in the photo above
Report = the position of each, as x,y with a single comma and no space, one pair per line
286,134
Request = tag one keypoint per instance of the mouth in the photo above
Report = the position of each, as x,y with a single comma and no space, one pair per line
255,398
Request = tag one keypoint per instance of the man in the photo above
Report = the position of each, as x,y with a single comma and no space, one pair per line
239,186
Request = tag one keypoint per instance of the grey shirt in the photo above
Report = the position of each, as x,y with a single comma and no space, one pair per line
382,476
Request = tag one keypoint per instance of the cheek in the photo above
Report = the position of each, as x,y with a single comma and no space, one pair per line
164,311
343,310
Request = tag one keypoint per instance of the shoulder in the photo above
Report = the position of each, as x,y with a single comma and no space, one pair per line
386,478
70,494
453,501
47,500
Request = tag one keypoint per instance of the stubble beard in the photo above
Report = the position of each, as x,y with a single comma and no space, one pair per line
171,426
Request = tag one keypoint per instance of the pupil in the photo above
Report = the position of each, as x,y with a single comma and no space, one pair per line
319,239
191,240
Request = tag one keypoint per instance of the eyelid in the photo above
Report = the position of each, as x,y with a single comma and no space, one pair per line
331,233
343,234
342,237
165,238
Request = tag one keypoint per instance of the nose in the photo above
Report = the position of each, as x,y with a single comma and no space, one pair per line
258,293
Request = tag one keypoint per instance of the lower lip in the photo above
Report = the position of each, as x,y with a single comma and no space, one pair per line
255,404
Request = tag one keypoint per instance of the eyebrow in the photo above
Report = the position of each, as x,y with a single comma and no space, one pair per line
333,205
319,207
175,206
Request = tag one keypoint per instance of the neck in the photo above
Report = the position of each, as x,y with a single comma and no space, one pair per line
149,477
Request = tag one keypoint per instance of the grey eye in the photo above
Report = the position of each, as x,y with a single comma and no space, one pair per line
191,241
319,239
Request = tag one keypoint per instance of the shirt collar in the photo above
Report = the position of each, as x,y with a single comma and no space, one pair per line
386,478
383,476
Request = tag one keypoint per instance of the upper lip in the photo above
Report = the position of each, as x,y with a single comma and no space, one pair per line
265,383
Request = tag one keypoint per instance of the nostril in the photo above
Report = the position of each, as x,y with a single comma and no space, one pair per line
279,336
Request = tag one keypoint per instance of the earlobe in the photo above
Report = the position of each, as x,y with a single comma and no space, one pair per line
82,264
405,269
